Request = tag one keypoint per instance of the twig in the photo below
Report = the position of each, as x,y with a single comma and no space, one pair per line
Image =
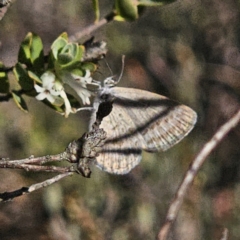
88,30
6,196
192,172
27,163
37,160
36,168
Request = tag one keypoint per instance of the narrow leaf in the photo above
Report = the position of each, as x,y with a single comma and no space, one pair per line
22,76
19,101
37,56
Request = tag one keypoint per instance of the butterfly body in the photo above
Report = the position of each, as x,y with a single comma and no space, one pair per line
139,120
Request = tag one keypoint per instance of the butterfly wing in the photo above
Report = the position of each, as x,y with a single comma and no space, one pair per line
119,154
141,120
161,122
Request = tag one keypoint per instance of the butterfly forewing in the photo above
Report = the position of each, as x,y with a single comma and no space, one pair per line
159,121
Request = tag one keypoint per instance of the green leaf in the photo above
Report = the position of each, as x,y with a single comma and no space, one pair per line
24,53
96,10
34,77
4,83
22,76
59,44
70,56
89,66
131,9
64,55
64,35
19,101
51,60
126,10
64,58
77,72
31,52
37,56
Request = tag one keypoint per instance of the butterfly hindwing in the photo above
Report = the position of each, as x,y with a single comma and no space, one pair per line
119,154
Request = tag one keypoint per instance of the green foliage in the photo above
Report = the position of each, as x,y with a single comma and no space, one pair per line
34,77
129,10
45,77
126,10
31,53
88,66
65,55
96,9
18,99
4,83
30,60
23,78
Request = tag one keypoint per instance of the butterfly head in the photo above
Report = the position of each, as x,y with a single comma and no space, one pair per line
110,82
105,94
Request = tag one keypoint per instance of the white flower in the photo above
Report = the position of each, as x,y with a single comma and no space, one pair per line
47,90
68,108
79,85
53,91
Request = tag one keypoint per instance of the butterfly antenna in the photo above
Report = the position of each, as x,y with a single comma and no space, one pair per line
109,67
121,74
110,81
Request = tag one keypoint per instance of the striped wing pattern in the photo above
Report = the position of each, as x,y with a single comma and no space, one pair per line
141,120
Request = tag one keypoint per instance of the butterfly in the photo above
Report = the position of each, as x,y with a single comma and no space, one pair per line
139,120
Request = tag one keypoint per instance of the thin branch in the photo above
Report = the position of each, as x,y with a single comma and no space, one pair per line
192,172
88,30
6,196
36,168
48,182
37,160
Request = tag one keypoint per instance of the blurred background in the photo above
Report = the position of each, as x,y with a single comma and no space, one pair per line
187,50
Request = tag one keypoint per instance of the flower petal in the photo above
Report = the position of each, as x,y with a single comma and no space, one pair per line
78,87
68,108
38,88
48,79
41,96
50,98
